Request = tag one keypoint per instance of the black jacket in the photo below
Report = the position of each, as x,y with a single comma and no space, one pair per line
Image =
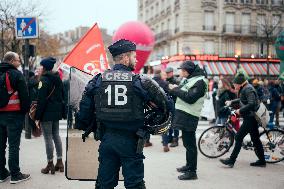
163,84
224,96
50,109
173,80
183,120
18,83
248,100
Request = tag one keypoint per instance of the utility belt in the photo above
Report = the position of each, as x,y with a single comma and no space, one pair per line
121,132
141,135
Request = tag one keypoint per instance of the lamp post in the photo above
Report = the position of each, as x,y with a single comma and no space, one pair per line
238,62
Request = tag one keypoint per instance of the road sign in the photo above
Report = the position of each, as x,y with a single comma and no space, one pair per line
26,27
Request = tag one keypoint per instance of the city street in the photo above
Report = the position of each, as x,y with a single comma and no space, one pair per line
160,170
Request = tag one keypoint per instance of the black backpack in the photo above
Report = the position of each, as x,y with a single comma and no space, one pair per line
4,95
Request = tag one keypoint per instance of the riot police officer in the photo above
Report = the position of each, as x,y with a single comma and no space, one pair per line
117,97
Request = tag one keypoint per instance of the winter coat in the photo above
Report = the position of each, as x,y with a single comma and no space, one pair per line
52,108
18,83
226,95
183,120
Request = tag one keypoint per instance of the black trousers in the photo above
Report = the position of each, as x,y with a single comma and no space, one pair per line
11,126
115,151
249,126
189,142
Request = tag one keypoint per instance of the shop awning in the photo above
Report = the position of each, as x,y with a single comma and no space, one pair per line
229,68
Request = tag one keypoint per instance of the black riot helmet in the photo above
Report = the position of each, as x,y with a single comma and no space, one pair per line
157,116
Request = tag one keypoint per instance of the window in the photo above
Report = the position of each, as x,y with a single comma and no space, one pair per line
276,22
246,1
162,27
277,2
262,2
230,48
209,20
231,1
209,47
246,49
169,24
230,22
261,24
262,49
157,8
245,23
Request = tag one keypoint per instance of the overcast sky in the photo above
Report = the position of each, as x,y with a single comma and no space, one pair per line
62,15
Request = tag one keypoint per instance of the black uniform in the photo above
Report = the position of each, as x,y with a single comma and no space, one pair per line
118,99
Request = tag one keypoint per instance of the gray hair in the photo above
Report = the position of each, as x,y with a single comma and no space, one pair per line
9,56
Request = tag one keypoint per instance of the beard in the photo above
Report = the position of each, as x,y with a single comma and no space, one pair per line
132,66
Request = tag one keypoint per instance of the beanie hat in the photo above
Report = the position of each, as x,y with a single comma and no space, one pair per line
48,63
239,79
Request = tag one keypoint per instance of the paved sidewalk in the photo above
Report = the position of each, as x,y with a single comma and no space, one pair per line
159,171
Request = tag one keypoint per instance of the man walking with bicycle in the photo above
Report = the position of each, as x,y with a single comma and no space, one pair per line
249,102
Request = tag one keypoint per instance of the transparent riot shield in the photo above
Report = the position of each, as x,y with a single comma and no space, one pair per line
81,157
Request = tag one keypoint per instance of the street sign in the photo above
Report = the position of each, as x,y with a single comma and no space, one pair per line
26,27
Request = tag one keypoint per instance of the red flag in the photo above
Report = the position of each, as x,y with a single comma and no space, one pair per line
89,54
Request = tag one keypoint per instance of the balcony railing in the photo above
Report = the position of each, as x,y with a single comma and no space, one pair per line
208,28
163,36
240,29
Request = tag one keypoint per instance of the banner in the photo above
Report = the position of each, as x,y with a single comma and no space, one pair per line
89,53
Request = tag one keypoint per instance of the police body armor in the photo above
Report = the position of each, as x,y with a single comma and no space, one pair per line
116,99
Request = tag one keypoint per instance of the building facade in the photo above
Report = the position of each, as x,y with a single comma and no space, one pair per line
216,27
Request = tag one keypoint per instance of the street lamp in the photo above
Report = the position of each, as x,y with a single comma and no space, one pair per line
267,65
238,62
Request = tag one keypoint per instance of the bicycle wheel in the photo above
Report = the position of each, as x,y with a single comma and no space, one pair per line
273,145
215,141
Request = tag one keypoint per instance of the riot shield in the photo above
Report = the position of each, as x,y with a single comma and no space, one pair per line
81,157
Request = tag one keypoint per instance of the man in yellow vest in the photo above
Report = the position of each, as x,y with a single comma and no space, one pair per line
190,98
14,94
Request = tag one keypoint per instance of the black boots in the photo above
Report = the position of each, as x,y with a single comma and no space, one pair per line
174,143
59,166
258,163
183,169
230,163
189,175
50,167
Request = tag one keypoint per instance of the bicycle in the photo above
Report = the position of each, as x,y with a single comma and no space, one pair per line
217,140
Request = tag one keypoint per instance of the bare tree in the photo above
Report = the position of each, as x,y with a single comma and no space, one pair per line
267,30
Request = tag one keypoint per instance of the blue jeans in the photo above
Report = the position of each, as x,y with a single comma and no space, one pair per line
11,126
50,131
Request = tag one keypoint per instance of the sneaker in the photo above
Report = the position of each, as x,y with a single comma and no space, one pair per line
183,169
188,176
5,176
19,178
258,163
227,162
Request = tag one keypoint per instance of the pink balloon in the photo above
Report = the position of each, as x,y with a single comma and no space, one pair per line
140,34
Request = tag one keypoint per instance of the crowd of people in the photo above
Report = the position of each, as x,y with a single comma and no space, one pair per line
185,96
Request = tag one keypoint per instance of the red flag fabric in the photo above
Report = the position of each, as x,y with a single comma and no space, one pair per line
89,53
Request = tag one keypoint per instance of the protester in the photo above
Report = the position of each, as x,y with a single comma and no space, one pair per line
249,103
275,103
12,116
223,94
49,111
190,98
165,86
173,134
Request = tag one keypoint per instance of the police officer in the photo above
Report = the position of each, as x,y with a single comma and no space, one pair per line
117,97
190,98
12,117
249,102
